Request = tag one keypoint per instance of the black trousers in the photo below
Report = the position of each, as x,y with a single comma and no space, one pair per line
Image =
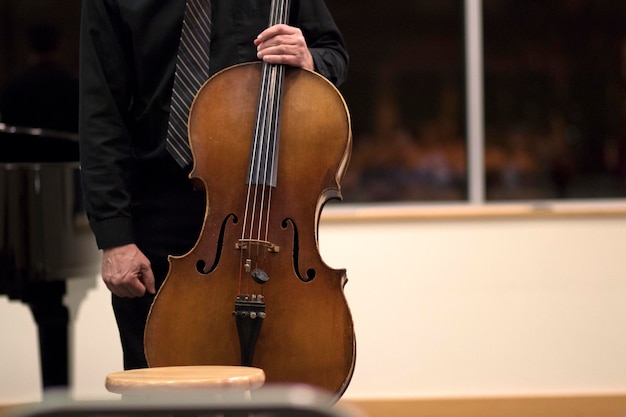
167,217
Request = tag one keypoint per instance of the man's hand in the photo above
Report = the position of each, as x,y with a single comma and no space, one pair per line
127,272
282,44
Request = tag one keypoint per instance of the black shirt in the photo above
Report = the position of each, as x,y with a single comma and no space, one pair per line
127,61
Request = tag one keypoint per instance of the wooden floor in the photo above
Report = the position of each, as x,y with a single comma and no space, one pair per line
4,410
574,406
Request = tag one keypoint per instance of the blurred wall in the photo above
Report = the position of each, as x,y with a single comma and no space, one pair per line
442,308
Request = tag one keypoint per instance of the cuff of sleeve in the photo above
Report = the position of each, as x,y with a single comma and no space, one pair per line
113,232
321,60
318,62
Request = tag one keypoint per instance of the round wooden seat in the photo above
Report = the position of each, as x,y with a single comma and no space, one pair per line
184,378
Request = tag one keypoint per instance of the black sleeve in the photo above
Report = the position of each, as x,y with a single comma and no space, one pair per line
324,39
105,143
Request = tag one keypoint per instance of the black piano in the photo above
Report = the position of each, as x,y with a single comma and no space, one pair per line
44,236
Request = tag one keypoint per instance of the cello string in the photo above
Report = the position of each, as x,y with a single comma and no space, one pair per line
281,16
274,16
267,110
269,156
265,144
270,131
262,146
258,137
254,164
251,196
275,139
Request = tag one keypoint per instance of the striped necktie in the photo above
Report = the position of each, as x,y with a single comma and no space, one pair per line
192,70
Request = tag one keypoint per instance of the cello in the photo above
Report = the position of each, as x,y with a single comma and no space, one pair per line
270,144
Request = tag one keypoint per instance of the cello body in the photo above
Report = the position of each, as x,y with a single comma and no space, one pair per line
306,334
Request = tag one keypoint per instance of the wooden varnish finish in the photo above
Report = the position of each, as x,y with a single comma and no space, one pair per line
307,336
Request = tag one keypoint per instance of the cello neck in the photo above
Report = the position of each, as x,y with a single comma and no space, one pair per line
279,13
264,152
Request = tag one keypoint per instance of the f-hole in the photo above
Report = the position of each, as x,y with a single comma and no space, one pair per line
310,273
201,264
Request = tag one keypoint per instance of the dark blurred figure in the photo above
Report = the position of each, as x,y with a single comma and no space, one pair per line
46,95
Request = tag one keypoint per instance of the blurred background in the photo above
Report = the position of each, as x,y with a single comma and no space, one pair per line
554,94
481,304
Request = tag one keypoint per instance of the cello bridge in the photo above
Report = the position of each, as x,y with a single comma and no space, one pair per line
245,244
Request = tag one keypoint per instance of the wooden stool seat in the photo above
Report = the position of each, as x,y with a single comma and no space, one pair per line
184,378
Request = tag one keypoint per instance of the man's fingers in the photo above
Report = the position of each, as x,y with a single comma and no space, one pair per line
282,44
127,272
147,278
275,31
130,286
